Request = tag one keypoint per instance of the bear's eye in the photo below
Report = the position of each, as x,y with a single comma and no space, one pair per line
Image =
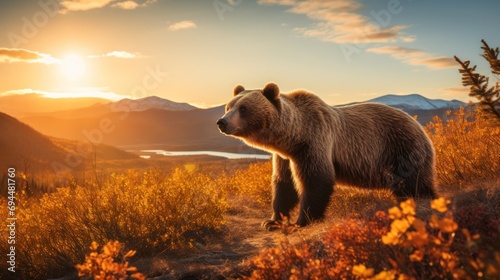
243,109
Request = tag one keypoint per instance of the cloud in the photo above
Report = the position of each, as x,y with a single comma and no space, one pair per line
186,24
408,39
118,54
415,57
456,90
84,5
75,93
398,52
339,21
277,2
87,92
440,62
28,56
22,55
19,92
126,5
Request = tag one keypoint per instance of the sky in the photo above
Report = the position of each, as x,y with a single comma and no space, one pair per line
196,51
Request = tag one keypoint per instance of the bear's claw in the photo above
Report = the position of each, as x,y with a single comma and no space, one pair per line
271,225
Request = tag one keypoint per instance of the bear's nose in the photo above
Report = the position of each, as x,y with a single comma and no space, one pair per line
222,124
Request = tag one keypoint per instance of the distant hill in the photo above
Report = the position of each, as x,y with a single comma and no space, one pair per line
417,105
416,102
26,149
163,129
128,105
23,147
20,105
147,103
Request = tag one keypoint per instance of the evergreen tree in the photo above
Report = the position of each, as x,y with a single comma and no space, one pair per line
489,97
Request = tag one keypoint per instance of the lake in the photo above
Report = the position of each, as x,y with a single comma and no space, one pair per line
209,153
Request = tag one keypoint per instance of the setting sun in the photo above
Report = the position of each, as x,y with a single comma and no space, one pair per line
73,67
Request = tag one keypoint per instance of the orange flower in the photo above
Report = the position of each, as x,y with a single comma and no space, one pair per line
394,213
440,204
400,226
448,225
434,221
361,271
390,238
386,275
417,255
418,239
419,225
408,206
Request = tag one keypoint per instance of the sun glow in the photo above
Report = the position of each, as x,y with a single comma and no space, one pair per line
73,67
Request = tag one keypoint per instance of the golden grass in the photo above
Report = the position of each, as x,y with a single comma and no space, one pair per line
153,211
467,147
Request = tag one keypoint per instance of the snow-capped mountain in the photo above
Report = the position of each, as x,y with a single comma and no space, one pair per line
416,102
151,102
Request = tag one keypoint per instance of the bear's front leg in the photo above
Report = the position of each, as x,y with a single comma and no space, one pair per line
285,197
315,177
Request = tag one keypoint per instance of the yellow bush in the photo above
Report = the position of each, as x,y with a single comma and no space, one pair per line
413,248
431,248
253,182
110,264
154,211
467,147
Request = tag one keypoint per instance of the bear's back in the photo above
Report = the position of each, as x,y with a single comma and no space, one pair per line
378,136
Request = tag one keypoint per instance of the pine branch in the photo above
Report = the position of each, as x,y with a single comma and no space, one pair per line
489,97
491,55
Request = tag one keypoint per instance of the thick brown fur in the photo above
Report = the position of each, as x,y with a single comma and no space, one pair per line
315,146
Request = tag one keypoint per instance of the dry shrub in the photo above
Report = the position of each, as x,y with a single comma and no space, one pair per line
479,211
352,202
253,183
153,211
467,147
111,264
437,248
333,257
413,248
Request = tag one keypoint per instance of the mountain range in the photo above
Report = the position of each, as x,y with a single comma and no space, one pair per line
19,105
416,102
417,105
151,102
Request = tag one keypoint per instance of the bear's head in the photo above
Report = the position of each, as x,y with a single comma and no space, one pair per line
251,112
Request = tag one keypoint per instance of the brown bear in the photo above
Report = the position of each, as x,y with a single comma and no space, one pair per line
315,146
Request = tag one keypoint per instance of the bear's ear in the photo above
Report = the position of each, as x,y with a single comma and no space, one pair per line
238,89
271,91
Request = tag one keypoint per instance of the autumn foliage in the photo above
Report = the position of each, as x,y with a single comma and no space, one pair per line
152,212
413,248
467,147
252,182
111,264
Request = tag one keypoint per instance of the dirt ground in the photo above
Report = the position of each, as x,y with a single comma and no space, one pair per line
225,255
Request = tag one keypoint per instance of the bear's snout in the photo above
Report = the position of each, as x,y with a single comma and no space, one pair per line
222,124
